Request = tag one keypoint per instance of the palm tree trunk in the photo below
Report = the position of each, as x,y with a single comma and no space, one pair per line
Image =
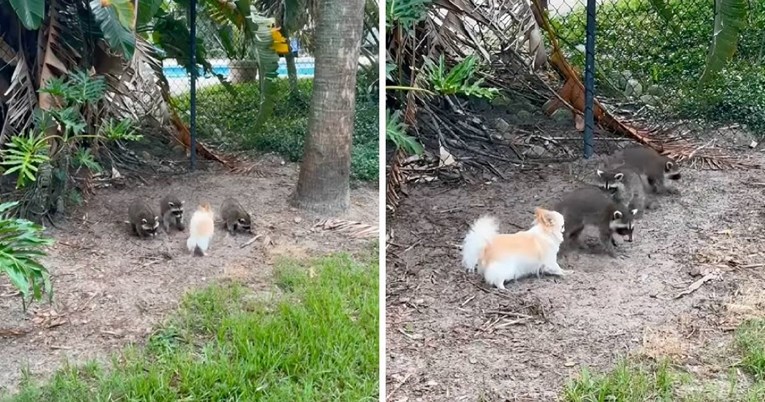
324,181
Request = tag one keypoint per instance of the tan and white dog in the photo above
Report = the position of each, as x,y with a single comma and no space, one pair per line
201,230
505,257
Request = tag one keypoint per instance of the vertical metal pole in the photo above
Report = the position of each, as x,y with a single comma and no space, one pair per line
589,80
193,80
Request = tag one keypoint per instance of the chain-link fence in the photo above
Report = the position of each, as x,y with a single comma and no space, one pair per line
661,76
655,60
228,93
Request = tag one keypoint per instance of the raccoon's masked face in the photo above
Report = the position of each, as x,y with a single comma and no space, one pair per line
150,226
244,224
671,170
623,223
611,181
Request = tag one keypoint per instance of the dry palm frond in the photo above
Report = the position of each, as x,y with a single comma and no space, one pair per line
21,100
393,181
57,56
356,229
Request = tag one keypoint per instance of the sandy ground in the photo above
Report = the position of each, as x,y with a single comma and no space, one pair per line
450,337
111,288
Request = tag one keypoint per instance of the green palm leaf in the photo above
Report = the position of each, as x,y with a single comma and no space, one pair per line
21,243
119,37
730,18
30,12
268,64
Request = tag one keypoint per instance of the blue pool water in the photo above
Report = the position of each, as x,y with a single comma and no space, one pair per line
305,70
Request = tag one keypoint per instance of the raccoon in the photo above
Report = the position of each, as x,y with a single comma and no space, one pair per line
655,167
142,219
625,186
235,218
590,206
171,209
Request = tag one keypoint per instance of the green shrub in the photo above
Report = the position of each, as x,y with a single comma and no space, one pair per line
228,120
632,37
738,96
21,247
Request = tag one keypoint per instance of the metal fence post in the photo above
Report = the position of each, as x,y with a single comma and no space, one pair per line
589,81
193,80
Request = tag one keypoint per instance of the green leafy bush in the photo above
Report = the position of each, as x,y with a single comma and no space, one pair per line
229,122
669,49
459,80
395,131
27,152
21,243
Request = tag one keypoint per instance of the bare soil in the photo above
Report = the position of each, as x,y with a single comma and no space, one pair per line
111,288
451,337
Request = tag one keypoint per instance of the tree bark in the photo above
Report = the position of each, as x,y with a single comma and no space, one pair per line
324,180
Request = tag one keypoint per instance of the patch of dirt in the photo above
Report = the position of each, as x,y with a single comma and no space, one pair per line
451,337
111,288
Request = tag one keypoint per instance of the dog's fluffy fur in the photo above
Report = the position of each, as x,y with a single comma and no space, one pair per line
201,230
504,257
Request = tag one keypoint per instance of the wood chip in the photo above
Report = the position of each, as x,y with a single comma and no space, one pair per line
696,285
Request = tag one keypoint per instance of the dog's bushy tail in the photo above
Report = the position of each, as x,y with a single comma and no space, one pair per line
198,244
201,229
482,231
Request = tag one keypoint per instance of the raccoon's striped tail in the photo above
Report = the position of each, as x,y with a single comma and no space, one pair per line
482,231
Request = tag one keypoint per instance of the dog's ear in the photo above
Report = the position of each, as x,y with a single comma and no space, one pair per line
669,165
619,176
541,215
617,215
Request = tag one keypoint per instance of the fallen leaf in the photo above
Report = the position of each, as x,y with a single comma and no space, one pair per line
579,122
446,159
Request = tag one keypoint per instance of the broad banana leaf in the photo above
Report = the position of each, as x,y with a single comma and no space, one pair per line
30,12
268,62
730,18
118,36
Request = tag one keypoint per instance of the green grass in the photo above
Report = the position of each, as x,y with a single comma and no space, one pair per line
636,380
228,121
318,341
629,381
750,340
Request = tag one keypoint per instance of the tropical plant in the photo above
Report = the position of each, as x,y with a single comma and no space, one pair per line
44,43
21,243
405,13
730,18
296,18
395,132
62,141
459,80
